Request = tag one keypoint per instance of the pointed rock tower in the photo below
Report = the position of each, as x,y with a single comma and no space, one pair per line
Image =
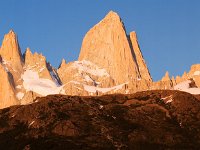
11,56
10,51
166,77
107,46
144,72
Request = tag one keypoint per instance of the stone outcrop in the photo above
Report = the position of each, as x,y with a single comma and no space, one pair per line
165,83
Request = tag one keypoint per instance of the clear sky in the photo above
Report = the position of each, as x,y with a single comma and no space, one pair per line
168,30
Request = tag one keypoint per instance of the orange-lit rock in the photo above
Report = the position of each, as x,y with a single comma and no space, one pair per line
7,91
107,46
143,69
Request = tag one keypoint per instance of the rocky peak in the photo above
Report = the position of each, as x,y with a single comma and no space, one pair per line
107,46
31,59
10,51
143,69
37,63
112,16
63,63
166,77
28,51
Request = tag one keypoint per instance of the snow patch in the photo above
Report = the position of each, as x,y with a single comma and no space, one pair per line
89,67
31,123
196,73
94,89
168,99
185,86
41,69
88,79
20,95
101,107
19,86
5,62
44,87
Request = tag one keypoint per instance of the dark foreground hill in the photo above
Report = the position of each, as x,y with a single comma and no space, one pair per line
145,120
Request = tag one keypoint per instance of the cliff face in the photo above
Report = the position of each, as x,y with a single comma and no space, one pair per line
137,54
7,89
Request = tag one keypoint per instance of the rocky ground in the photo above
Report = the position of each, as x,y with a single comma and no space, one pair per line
145,120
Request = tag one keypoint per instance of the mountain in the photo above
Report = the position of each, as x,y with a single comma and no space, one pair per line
110,62
107,46
11,56
10,51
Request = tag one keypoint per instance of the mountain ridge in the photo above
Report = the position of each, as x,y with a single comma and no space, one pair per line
110,62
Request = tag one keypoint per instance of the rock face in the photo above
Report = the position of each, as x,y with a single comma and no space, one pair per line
107,46
7,91
11,56
37,62
143,69
107,122
10,51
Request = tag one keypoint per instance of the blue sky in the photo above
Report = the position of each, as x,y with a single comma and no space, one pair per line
168,30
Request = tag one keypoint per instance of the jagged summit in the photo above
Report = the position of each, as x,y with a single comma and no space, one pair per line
10,49
12,59
112,16
11,32
63,62
107,46
28,50
166,77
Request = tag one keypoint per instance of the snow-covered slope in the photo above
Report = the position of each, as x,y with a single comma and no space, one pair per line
185,86
89,67
32,82
93,89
